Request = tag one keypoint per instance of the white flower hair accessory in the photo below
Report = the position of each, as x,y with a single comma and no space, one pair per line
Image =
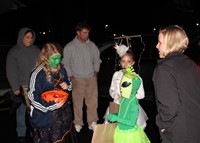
121,49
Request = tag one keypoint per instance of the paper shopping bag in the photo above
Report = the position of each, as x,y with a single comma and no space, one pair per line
113,107
104,133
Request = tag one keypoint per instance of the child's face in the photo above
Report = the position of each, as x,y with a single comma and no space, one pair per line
126,60
54,60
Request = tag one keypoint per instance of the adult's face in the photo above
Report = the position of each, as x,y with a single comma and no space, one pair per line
83,35
161,45
28,39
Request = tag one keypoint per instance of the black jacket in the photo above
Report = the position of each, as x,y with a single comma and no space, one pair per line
177,89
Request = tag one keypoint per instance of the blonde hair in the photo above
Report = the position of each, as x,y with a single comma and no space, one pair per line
175,38
47,50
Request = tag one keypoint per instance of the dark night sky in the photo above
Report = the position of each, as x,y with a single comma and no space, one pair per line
124,17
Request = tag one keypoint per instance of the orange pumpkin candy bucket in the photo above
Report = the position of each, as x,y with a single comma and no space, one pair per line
55,95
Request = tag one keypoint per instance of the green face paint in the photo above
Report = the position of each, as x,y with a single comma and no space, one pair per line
54,60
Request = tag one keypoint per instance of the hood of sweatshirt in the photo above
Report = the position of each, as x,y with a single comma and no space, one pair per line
21,35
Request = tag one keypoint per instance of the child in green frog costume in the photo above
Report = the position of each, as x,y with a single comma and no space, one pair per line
127,131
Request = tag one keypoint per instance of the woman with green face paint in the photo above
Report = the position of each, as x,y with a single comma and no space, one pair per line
49,86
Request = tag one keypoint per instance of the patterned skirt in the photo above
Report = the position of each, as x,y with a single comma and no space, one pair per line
62,129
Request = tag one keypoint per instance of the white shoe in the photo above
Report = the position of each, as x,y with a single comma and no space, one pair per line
78,128
92,126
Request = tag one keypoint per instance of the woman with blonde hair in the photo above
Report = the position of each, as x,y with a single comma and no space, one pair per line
176,81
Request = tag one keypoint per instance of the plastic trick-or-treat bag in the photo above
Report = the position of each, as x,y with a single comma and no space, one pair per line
55,95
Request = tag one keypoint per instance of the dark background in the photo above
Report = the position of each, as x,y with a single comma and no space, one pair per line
57,18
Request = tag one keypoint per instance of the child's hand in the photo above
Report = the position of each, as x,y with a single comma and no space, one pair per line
112,117
60,104
63,85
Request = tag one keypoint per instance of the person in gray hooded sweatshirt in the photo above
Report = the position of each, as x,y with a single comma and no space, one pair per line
20,62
